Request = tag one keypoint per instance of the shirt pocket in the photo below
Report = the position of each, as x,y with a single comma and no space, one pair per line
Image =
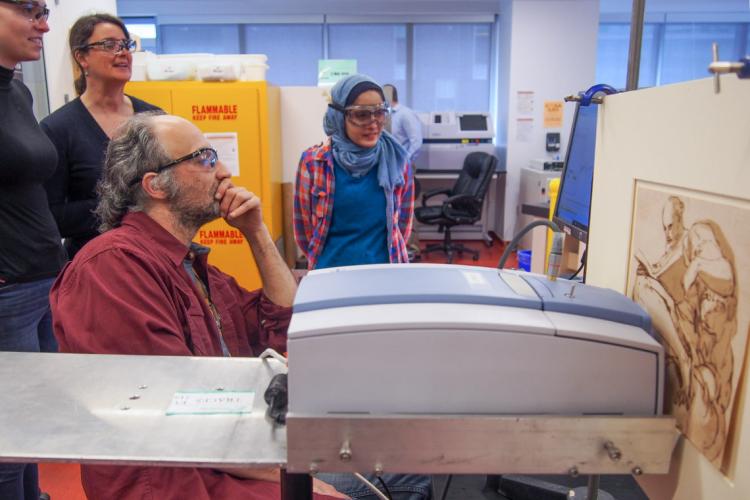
229,310
201,335
196,330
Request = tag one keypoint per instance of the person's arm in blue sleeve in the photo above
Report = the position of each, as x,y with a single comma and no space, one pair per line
413,129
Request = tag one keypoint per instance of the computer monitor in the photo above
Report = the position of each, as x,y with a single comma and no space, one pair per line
574,197
472,122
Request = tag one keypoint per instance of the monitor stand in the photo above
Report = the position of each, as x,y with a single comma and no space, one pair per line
572,253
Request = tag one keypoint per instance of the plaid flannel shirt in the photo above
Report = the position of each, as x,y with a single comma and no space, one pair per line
313,205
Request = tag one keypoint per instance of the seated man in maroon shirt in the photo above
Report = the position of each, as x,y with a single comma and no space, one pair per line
143,287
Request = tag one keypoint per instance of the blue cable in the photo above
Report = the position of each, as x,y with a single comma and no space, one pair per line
596,89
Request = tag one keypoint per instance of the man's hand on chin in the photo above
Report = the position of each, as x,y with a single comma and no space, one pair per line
239,207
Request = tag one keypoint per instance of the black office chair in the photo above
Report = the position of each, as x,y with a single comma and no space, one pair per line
463,205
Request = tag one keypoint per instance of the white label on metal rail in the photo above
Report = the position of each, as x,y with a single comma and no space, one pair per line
211,403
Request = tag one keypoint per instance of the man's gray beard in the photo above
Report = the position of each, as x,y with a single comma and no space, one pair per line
192,217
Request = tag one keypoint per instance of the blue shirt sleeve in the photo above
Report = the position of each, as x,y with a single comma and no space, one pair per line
408,131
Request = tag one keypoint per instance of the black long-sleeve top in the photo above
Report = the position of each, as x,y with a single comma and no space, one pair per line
30,246
81,145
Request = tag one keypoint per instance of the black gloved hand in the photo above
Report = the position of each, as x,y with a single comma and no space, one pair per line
277,398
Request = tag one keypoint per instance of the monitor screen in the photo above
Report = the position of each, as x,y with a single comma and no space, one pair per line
472,122
574,197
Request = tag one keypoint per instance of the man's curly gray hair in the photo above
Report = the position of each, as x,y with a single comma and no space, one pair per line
134,152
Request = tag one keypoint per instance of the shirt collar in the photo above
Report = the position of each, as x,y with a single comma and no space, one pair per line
198,253
323,150
169,245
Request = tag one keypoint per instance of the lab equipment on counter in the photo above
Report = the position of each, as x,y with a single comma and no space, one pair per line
542,164
444,339
449,136
533,192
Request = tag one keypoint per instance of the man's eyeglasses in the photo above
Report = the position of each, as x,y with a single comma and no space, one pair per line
363,116
109,45
30,9
205,157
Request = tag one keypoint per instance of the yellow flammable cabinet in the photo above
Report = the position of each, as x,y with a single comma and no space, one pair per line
242,121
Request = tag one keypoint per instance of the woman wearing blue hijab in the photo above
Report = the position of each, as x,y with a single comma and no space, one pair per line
354,204
354,195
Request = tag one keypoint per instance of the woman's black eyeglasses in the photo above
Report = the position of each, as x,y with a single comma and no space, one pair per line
32,10
363,116
205,157
109,45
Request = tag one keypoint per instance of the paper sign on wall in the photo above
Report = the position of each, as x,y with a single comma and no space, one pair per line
227,147
553,114
525,102
524,129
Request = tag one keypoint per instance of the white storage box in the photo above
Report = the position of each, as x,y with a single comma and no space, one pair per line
253,67
140,61
226,68
174,66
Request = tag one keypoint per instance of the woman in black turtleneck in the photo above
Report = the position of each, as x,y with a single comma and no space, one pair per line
30,250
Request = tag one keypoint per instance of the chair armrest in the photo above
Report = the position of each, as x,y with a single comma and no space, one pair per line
433,192
464,198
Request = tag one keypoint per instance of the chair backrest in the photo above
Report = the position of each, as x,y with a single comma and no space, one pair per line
474,179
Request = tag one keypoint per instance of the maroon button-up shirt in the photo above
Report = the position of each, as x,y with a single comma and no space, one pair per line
127,292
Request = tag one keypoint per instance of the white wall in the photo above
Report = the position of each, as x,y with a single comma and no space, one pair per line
302,110
552,52
56,53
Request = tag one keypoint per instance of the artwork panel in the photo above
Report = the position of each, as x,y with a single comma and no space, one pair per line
688,267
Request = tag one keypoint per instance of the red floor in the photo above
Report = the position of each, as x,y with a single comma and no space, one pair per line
63,481
488,257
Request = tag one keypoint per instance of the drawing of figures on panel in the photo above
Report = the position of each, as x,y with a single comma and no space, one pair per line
689,269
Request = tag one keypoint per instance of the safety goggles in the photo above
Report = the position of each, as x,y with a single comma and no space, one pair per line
205,157
363,116
33,11
112,46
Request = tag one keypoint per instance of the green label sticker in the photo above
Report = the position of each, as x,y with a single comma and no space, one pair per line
211,403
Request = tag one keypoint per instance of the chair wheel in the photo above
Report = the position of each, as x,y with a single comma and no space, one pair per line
475,258
489,243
